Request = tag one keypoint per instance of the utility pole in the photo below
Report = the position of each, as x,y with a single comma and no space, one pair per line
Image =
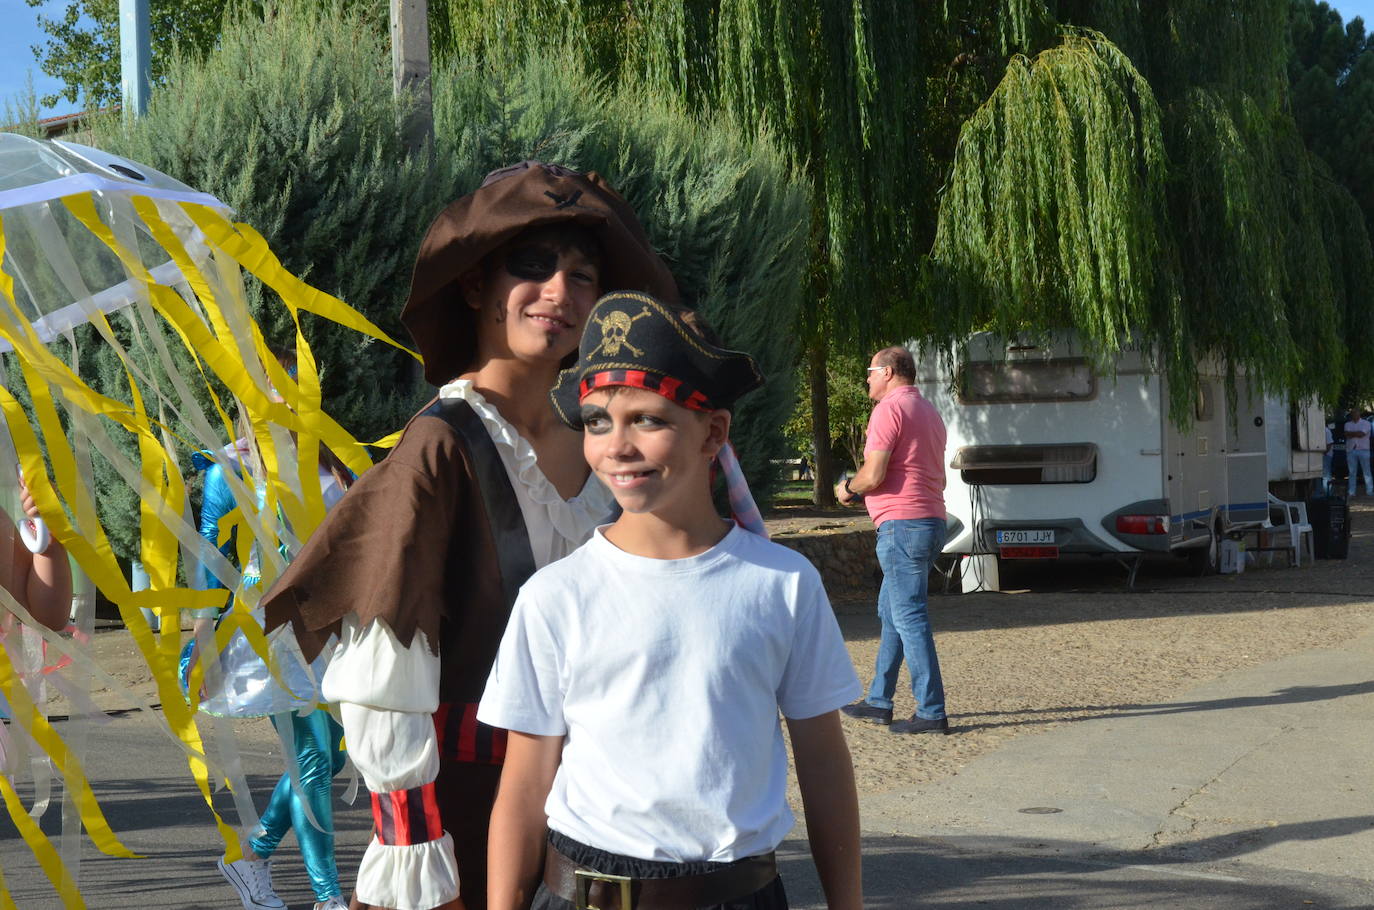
135,55
410,67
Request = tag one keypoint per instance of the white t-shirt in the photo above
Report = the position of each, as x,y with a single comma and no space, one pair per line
1357,443
666,678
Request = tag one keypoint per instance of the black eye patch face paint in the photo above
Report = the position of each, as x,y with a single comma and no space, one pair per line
592,412
532,263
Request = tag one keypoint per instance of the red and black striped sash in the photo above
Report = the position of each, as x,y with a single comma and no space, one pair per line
463,738
407,817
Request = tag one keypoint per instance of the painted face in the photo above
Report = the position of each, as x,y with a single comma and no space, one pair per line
652,454
535,302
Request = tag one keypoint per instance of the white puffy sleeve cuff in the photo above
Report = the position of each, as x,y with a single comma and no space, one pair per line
387,696
417,877
370,667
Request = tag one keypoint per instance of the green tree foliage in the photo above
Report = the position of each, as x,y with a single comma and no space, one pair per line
21,112
850,407
291,121
1058,186
1331,74
1166,194
843,88
721,210
82,48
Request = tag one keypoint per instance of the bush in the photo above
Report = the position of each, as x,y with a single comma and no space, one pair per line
721,208
291,121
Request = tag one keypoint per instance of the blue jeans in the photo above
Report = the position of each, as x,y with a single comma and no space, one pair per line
907,548
1358,461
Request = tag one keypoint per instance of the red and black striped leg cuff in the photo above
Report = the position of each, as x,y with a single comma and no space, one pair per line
407,817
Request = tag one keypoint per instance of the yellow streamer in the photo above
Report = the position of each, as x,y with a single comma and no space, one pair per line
43,850
25,713
219,340
98,560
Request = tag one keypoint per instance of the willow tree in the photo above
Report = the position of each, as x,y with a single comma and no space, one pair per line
1163,193
841,87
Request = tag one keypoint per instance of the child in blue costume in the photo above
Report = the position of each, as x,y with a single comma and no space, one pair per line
317,737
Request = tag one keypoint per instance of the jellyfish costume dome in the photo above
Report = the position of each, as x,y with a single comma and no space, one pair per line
129,346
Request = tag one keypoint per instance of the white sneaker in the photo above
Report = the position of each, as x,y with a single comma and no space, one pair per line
334,903
252,879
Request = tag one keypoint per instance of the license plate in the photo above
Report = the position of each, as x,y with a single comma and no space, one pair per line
1036,537
1028,552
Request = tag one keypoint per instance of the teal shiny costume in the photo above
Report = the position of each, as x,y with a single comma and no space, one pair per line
317,736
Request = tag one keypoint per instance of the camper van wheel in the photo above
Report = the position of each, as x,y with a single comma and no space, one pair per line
1206,559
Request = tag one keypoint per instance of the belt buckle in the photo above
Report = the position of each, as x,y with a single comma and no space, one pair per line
582,886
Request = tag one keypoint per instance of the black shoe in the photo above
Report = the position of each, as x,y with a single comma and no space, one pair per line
862,710
919,725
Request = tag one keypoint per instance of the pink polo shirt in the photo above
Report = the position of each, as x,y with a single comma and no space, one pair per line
909,427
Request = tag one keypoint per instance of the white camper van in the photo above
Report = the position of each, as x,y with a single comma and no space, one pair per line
1295,439
1047,458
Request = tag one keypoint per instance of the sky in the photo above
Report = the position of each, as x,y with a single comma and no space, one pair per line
19,32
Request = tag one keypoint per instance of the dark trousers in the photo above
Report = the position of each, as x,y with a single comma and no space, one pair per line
465,792
769,897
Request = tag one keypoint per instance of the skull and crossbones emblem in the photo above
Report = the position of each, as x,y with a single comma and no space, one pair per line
615,332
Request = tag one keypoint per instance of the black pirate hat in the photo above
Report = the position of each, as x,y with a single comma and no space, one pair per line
634,340
508,203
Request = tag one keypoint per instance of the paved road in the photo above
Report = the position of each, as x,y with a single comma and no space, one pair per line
1251,791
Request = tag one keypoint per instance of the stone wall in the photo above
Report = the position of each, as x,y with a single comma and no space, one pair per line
845,559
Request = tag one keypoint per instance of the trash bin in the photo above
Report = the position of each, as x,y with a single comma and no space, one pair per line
1330,519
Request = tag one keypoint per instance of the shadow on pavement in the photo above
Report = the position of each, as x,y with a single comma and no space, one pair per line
1293,695
901,873
1239,843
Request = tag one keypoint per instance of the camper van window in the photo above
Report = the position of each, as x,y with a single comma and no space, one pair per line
1026,464
1204,401
988,382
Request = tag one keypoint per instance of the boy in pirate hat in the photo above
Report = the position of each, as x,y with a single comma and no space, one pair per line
641,677
415,570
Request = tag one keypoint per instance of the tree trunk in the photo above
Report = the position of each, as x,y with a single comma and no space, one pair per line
823,477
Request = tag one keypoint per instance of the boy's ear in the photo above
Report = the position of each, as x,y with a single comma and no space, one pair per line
717,431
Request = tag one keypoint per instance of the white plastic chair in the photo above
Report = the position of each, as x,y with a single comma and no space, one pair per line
1299,528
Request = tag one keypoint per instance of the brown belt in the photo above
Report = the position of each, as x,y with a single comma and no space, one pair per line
587,889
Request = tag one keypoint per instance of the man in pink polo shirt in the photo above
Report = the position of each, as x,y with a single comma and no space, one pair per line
902,482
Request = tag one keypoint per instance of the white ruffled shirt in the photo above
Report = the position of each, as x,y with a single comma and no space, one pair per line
388,693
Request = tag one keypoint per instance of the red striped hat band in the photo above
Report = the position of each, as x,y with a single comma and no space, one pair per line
675,390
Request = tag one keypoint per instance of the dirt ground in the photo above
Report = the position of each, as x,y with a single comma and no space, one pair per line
1066,641
1062,642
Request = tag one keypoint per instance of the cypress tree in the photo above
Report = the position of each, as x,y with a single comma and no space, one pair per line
721,210
292,122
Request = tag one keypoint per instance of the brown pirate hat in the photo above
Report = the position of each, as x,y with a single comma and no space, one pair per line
509,202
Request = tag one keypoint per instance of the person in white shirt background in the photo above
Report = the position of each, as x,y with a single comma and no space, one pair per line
1357,433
